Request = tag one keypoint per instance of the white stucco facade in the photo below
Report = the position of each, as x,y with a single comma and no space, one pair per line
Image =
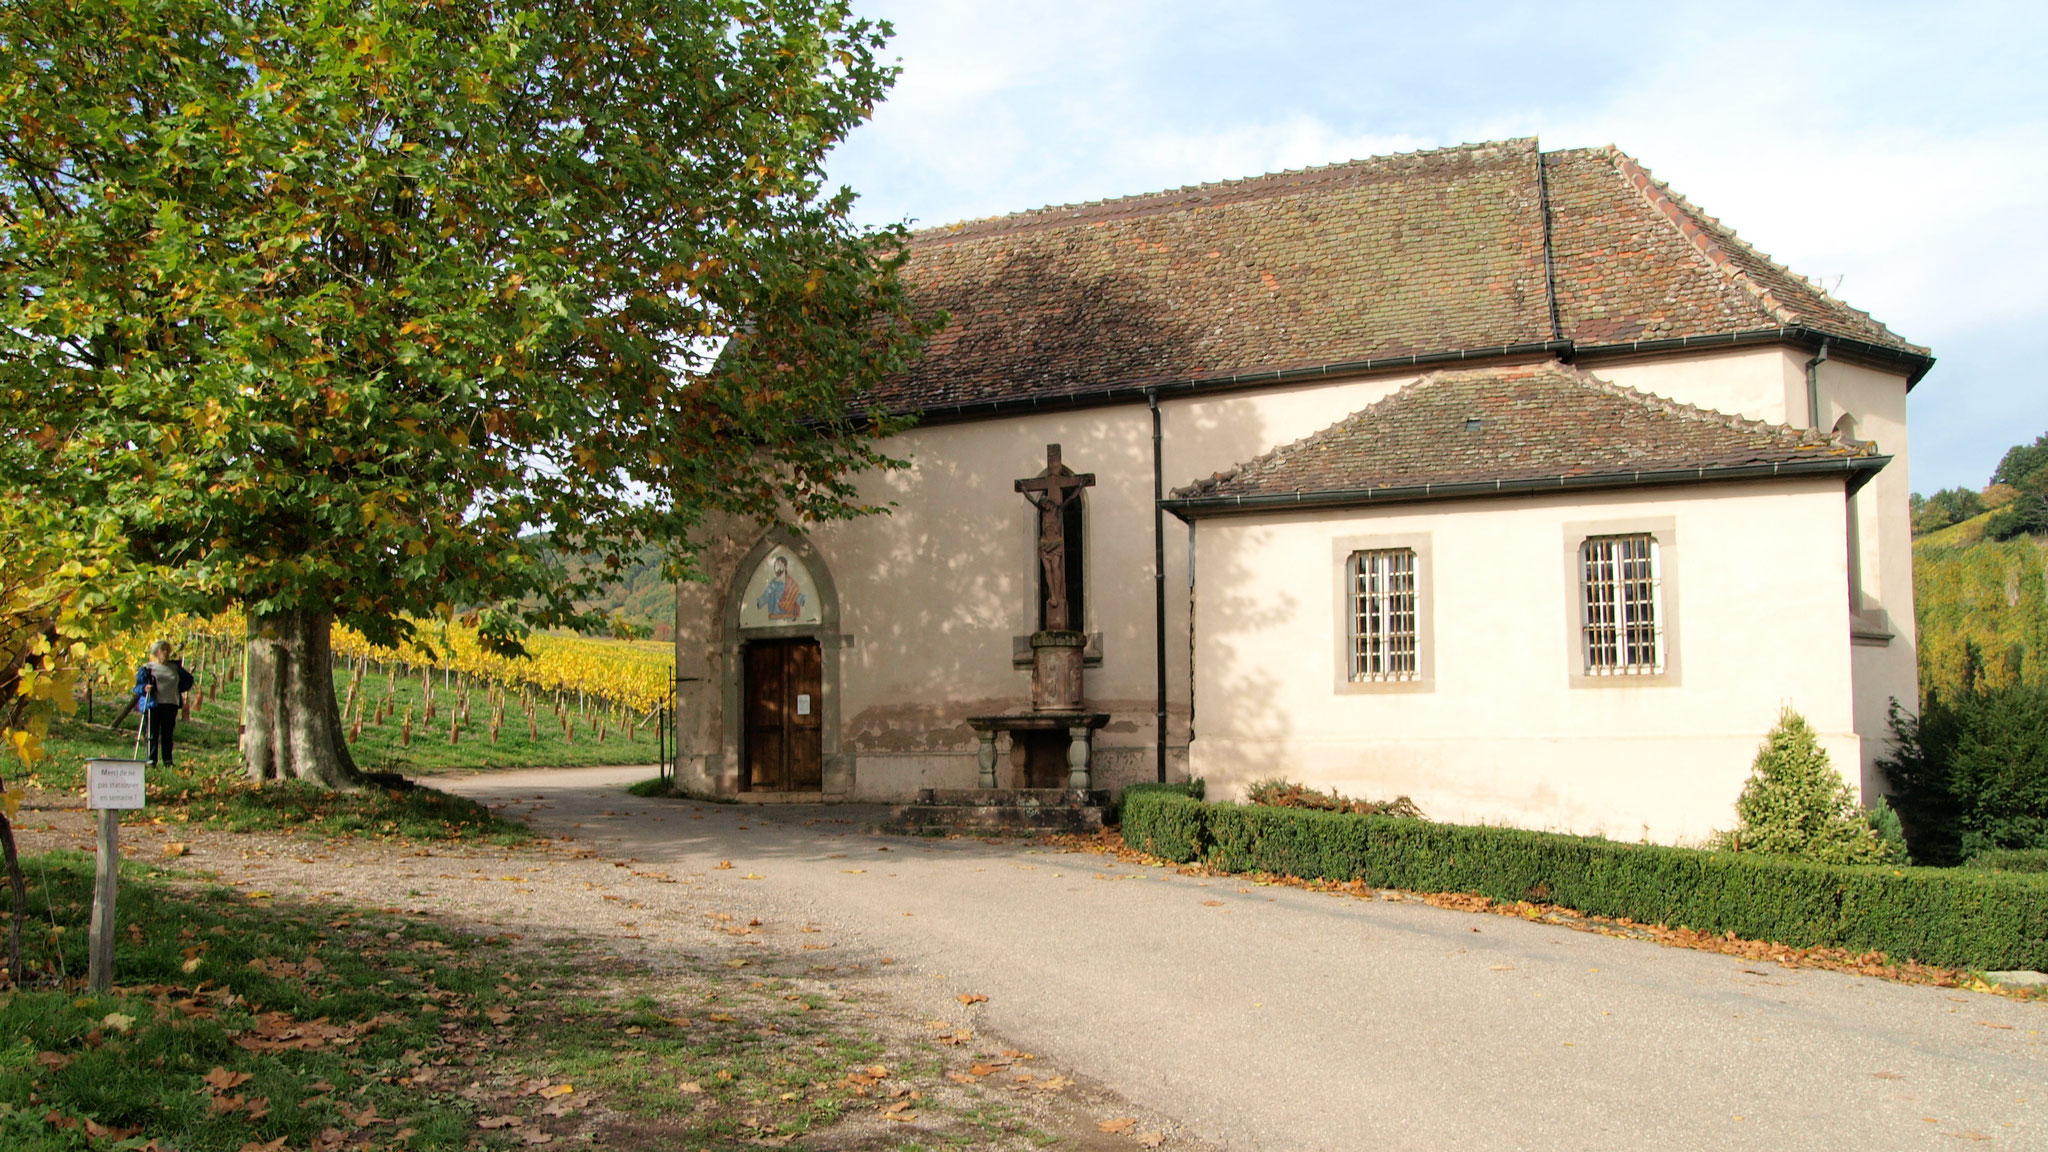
927,602
1503,726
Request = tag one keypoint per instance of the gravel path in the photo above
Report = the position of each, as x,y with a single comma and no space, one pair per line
1273,1018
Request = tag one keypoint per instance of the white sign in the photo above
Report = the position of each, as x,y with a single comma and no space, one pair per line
803,703
113,784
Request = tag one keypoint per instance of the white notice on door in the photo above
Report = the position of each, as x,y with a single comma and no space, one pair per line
803,703
113,784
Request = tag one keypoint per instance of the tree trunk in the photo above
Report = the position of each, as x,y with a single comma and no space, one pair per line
292,725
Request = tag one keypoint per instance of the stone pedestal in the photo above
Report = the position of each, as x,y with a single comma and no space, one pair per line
1056,670
1079,726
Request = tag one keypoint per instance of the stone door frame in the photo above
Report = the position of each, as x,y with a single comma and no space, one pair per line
837,766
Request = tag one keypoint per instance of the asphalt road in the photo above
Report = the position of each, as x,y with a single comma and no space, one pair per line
1273,1018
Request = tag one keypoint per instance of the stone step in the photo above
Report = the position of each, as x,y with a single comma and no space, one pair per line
1002,819
1013,797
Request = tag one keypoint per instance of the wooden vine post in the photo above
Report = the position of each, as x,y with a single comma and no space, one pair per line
111,787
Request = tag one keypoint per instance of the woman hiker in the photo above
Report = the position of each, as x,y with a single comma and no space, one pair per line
162,684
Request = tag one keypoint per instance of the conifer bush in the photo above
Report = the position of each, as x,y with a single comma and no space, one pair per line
1796,804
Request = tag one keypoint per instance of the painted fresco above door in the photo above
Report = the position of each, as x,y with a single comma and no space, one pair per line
780,593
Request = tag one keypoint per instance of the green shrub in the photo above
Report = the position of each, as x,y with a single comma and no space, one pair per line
1190,788
2010,860
1163,821
1971,771
1953,917
1796,804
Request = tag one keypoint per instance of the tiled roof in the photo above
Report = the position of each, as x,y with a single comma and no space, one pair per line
1414,254
1536,423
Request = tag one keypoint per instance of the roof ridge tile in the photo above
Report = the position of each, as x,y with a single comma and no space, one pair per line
1347,452
1682,216
1050,214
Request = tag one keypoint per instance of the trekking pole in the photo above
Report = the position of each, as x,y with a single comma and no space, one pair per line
141,720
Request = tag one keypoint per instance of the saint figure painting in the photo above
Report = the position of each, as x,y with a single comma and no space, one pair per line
782,599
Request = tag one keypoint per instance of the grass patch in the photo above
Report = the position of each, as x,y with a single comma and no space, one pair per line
239,1019
231,1021
206,787
653,786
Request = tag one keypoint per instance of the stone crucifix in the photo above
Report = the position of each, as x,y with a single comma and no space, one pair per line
1051,491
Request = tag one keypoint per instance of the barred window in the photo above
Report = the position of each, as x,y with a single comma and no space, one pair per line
1383,615
1619,587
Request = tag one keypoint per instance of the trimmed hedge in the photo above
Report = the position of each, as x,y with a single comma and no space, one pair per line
2010,860
1192,789
1953,917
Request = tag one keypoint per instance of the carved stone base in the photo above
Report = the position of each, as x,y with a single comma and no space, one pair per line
1056,670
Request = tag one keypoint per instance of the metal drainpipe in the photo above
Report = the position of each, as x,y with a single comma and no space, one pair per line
1158,577
1813,386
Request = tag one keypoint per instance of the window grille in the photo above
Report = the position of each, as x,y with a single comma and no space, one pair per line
1383,615
1619,588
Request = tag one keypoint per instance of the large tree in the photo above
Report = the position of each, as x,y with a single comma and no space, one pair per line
367,310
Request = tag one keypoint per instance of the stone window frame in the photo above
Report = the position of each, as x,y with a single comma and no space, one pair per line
1663,534
1342,550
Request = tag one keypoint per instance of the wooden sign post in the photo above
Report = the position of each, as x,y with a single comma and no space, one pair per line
111,787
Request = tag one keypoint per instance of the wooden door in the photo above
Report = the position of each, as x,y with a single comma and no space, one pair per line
785,747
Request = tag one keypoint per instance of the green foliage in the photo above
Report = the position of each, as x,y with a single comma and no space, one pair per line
1937,916
1163,821
1971,770
359,308
1281,794
1983,611
2027,513
650,787
2010,860
1190,788
1946,507
1796,804
2022,461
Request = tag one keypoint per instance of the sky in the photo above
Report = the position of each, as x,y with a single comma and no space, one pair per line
1895,152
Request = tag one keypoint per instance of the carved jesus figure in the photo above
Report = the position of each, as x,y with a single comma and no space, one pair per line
1051,491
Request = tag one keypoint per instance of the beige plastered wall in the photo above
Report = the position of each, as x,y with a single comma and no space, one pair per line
932,594
1502,731
1769,383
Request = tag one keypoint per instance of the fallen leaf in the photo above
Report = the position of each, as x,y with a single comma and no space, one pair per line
723,865
1118,1124
118,1021
1149,1139
905,1117
52,1060
260,1146
554,1090
973,998
1501,967
753,876
536,1136
177,848
220,1079
1212,903
690,1088
491,1122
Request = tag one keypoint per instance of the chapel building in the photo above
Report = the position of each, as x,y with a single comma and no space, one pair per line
1503,479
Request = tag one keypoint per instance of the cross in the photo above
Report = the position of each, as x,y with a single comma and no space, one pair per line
1051,491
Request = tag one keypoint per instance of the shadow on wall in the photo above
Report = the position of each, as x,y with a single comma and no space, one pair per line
1241,705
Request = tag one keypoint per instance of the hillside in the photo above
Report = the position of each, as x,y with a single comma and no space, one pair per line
641,597
1990,596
